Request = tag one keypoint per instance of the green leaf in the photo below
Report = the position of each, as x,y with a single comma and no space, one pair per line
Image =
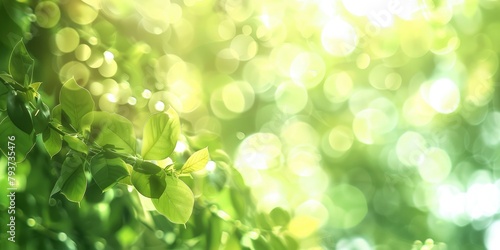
217,178
111,129
214,234
279,216
75,102
149,185
160,135
276,242
263,221
261,243
52,141
127,180
239,201
176,202
4,92
35,86
72,182
146,167
18,113
56,113
291,243
41,116
23,142
76,144
220,155
15,21
196,161
233,243
7,78
107,172
21,64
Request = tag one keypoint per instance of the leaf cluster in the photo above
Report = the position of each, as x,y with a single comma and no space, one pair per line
98,144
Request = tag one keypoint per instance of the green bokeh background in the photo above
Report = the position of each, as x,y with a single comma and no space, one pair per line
374,124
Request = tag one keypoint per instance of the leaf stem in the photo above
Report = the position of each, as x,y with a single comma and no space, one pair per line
57,129
16,86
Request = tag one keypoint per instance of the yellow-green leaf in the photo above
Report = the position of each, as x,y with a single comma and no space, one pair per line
111,129
196,161
75,102
160,135
176,202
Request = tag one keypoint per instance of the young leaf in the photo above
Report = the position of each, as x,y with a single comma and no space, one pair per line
35,86
52,141
72,182
107,172
146,167
41,116
111,129
75,102
21,64
176,202
23,142
196,161
76,144
151,186
160,135
18,113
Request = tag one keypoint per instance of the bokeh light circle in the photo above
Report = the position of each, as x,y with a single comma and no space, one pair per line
338,87
435,165
290,97
410,148
244,46
307,69
443,95
47,14
260,151
349,206
67,39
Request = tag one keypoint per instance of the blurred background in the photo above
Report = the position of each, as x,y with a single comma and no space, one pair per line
332,124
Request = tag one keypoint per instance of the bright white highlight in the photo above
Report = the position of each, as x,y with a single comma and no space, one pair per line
483,200
108,56
491,239
444,96
339,38
210,167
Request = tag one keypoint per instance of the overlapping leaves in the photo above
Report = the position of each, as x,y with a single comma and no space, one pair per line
98,142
